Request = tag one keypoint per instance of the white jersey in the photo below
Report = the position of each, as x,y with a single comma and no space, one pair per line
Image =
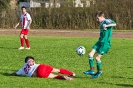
25,19
27,70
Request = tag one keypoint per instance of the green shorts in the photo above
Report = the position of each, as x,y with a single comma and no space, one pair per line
102,47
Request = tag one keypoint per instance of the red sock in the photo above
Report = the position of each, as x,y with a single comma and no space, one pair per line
27,43
59,77
92,68
22,42
65,71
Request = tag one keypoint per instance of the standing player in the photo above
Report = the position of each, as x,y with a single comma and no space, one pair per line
26,21
103,44
31,69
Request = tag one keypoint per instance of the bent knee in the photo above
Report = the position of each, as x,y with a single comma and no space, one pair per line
56,70
98,57
21,36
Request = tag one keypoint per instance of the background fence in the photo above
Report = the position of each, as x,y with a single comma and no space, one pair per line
69,17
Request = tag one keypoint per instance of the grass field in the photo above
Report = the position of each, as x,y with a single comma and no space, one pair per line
60,52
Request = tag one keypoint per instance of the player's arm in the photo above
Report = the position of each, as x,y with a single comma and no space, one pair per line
110,25
19,72
14,74
17,24
30,21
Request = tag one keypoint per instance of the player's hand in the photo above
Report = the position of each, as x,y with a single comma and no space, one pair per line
15,27
13,74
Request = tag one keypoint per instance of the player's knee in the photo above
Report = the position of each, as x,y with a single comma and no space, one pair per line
97,58
55,70
21,36
25,36
90,55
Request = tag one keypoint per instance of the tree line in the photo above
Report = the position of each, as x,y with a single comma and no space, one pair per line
67,17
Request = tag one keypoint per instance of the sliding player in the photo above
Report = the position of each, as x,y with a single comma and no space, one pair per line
31,69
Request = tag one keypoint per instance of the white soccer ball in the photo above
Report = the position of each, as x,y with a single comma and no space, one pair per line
80,50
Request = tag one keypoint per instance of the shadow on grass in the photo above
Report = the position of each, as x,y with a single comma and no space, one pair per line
117,77
9,74
121,77
124,85
129,67
80,77
7,47
5,74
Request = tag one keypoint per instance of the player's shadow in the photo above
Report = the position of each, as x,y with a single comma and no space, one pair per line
7,47
129,67
120,77
5,74
124,85
9,74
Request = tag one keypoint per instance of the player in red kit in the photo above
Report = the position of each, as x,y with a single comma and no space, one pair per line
26,21
31,69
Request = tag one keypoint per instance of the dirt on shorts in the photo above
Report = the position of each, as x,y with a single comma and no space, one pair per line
63,33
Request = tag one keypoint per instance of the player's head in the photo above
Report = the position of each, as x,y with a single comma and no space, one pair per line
23,8
29,60
100,16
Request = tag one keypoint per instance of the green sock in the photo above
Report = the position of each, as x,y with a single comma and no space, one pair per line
91,62
99,65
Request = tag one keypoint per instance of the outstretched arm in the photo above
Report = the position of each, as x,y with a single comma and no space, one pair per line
14,74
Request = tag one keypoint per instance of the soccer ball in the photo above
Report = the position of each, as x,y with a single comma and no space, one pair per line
80,50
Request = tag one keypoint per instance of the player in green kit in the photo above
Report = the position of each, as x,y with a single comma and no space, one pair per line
102,46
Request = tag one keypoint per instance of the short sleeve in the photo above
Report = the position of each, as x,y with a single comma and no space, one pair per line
28,17
108,21
21,17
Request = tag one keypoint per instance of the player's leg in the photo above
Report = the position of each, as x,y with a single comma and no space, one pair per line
22,41
45,71
91,62
27,42
63,71
51,75
99,66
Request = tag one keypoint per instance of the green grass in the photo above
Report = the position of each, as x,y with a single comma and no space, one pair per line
60,52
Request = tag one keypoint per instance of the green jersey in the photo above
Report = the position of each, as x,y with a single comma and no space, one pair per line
106,35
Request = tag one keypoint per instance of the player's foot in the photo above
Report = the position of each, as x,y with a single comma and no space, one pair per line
89,72
73,74
21,48
28,48
68,78
97,74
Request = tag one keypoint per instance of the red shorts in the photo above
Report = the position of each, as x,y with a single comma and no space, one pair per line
44,70
24,31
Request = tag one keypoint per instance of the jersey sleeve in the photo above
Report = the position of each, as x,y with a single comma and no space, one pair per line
21,17
108,21
20,72
28,17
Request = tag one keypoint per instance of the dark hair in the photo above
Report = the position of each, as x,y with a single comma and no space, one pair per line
23,7
99,14
28,57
